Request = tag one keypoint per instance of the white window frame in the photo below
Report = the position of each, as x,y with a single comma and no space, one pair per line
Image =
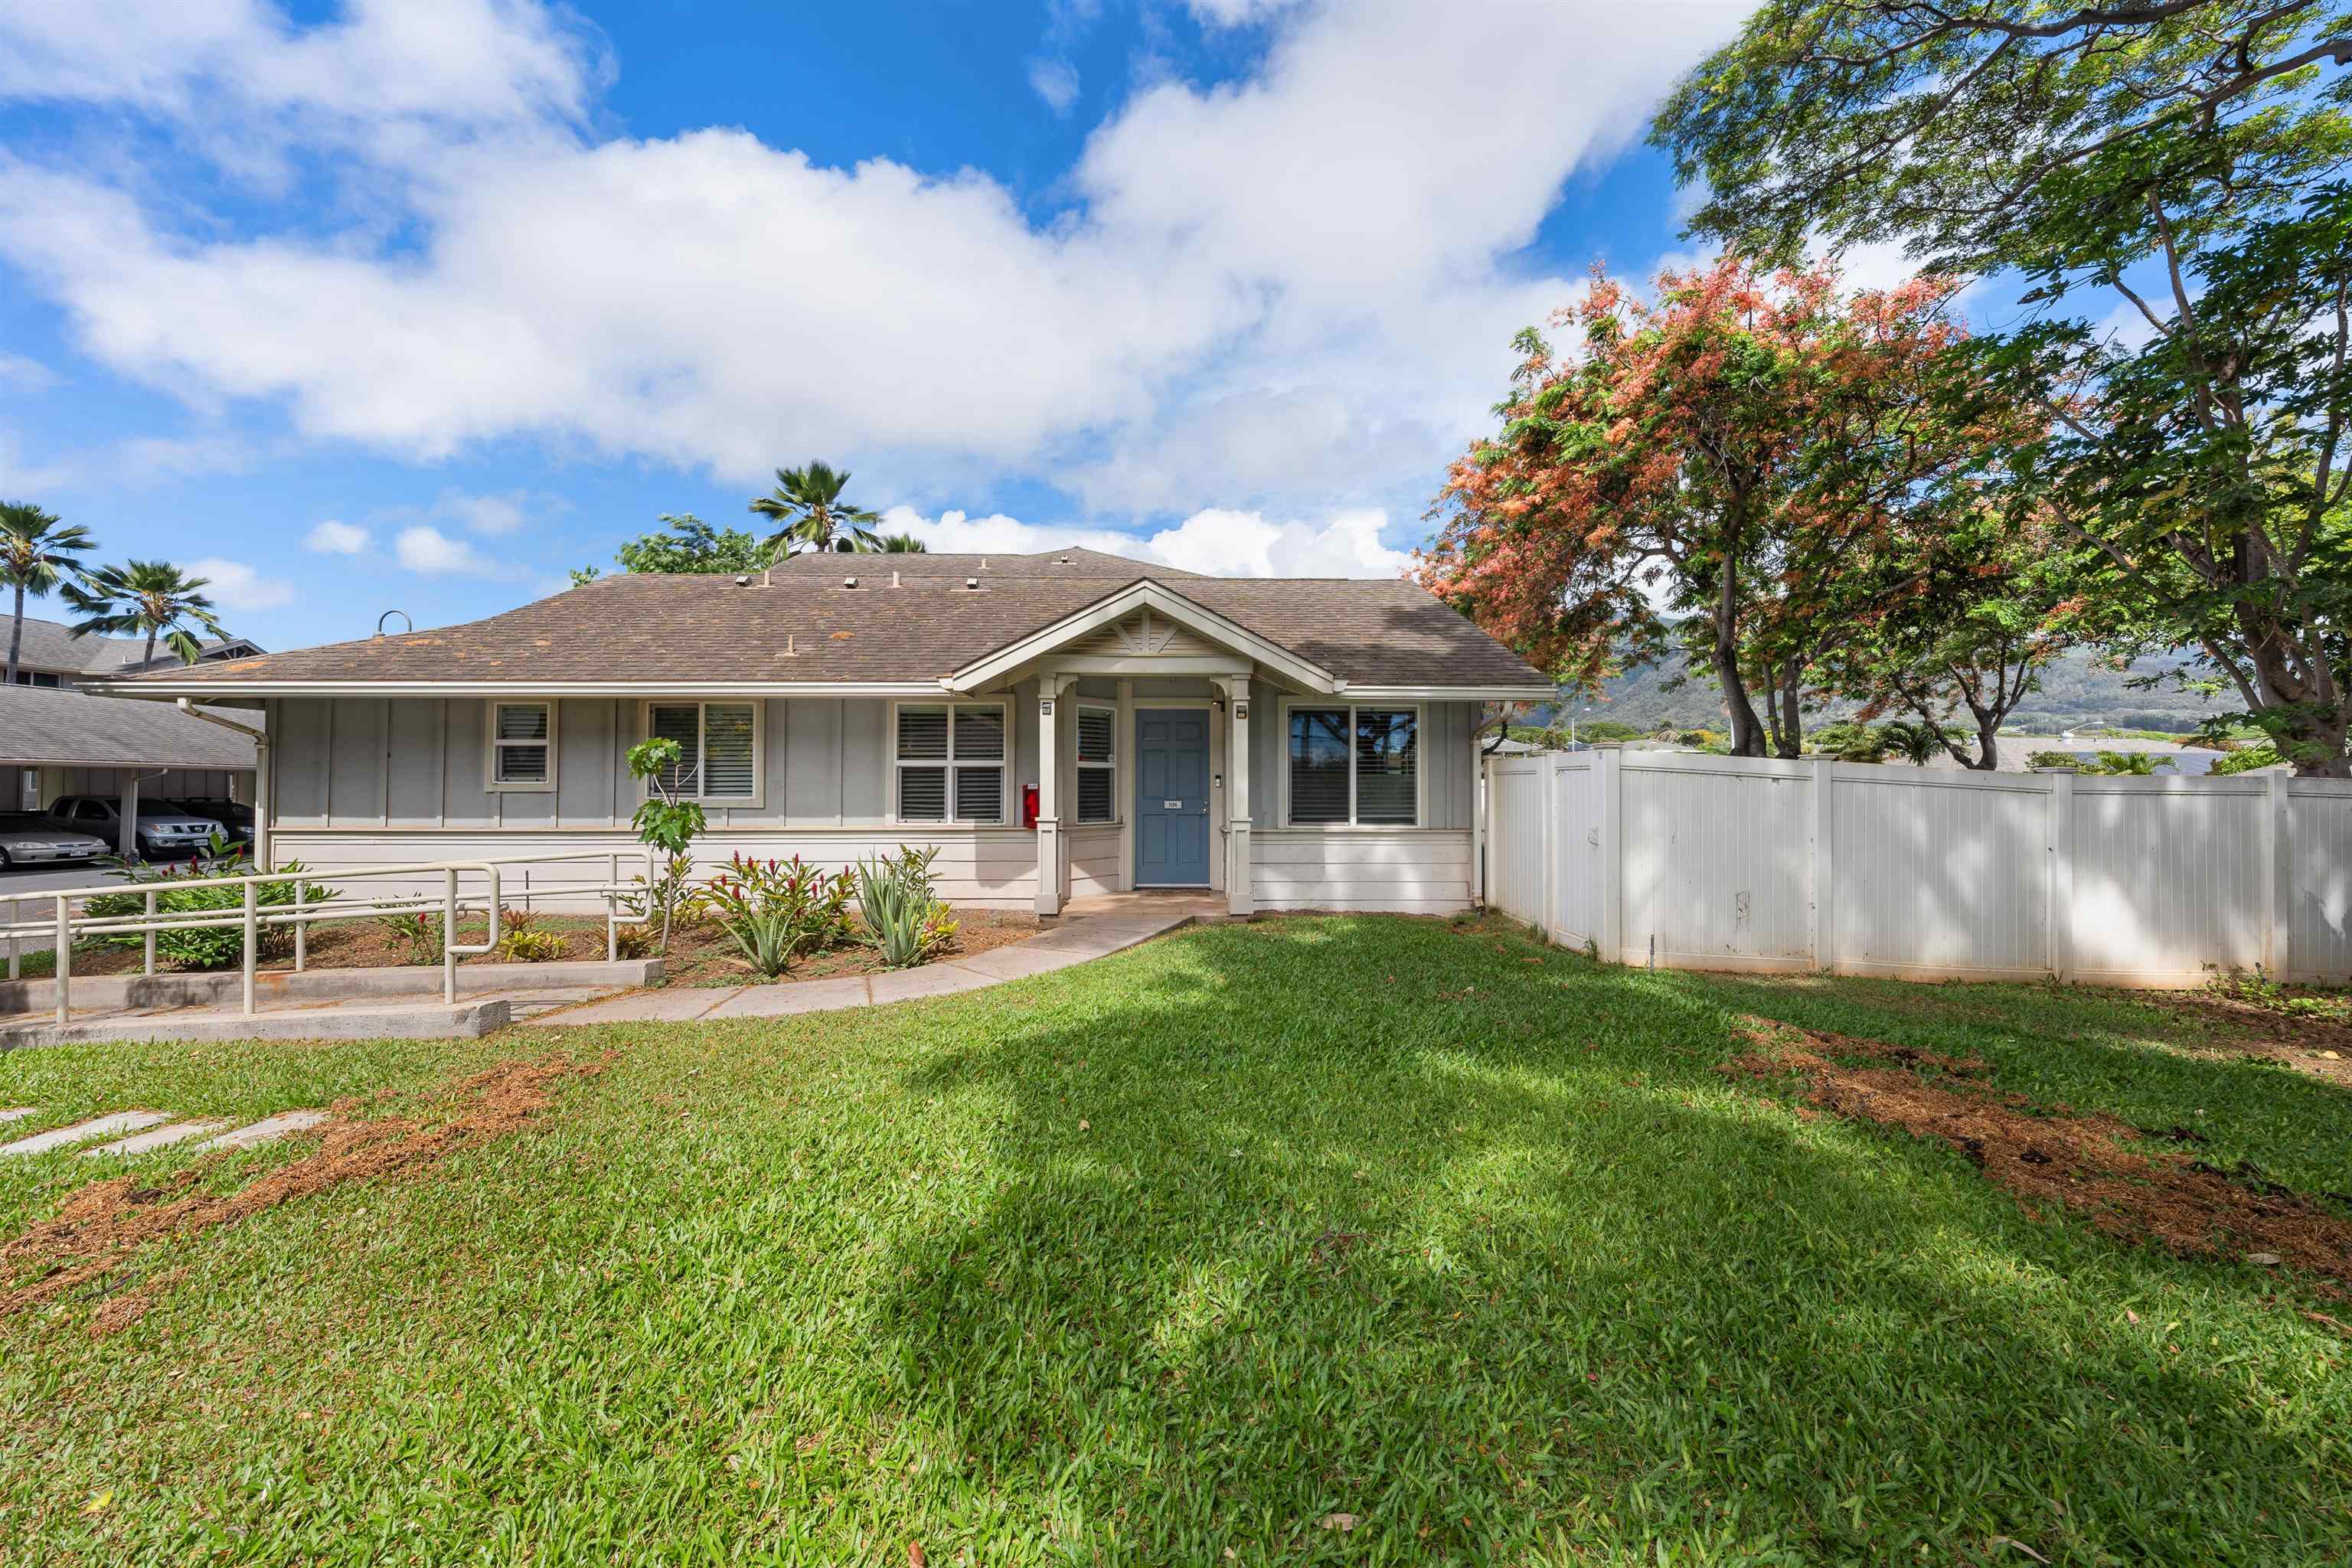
1420,711
1109,710
702,706
1005,804
490,751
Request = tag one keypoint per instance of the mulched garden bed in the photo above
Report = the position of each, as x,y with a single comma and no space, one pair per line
698,955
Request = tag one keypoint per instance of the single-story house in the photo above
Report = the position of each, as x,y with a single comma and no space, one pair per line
56,739
1292,744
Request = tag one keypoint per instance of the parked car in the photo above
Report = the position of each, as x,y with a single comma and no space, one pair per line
162,833
28,838
234,815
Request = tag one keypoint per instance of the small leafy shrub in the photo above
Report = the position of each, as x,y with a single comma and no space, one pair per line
2111,764
210,947
772,909
1850,742
419,932
903,917
2244,759
531,945
2258,989
666,821
633,941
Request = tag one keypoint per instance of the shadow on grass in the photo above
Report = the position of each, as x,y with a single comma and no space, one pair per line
1367,1218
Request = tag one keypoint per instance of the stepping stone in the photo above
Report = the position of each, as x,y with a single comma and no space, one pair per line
265,1130
83,1132
160,1138
17,1113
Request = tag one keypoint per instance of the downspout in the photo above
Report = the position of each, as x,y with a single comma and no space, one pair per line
261,802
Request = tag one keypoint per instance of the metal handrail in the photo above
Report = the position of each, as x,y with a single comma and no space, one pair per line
64,926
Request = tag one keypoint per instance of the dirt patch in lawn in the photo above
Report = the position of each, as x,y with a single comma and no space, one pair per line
699,954
2050,1154
2318,1044
102,1226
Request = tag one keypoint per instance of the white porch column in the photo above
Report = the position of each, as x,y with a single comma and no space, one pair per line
1049,791
1238,899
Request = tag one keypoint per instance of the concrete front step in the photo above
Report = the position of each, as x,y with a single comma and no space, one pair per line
432,1021
226,987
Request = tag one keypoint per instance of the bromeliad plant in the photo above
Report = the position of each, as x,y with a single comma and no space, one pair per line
774,910
668,822
904,919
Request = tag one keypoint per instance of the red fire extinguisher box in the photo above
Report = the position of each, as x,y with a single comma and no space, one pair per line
1028,805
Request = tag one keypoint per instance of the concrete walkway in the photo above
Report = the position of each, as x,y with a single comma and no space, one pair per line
1093,928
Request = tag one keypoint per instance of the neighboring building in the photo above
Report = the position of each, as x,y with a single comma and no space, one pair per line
56,739
1292,743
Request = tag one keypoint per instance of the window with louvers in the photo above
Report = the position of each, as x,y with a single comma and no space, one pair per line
1355,765
1319,765
949,762
683,724
730,760
525,748
1097,766
1388,766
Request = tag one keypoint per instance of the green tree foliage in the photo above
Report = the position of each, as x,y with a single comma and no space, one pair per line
808,502
38,551
668,822
2090,149
1701,471
145,598
686,544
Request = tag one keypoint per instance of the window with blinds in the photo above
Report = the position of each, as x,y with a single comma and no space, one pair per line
522,745
1098,764
1354,766
717,749
949,759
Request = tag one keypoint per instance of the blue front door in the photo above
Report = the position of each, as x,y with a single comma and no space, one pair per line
1171,797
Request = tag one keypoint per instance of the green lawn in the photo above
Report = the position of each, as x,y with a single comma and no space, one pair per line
1166,1259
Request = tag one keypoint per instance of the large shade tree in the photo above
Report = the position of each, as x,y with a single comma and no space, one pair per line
38,551
686,544
1696,470
808,502
2182,160
146,598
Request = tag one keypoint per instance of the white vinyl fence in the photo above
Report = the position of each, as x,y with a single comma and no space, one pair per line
1700,862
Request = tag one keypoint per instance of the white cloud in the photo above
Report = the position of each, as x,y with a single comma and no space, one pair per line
1273,293
23,373
426,549
1056,82
1214,541
492,514
21,478
240,587
332,538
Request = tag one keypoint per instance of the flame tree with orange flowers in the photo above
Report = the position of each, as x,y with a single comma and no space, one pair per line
1722,465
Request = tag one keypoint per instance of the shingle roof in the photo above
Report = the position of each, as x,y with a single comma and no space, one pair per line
49,645
1072,562
803,626
40,725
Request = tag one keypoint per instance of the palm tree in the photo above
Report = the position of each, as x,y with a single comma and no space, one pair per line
151,596
808,502
902,544
36,552
1916,743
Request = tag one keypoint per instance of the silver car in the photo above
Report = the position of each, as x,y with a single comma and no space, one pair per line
163,833
28,838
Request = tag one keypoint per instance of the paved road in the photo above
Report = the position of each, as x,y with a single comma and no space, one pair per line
29,880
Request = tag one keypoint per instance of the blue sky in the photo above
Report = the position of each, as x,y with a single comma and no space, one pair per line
415,303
